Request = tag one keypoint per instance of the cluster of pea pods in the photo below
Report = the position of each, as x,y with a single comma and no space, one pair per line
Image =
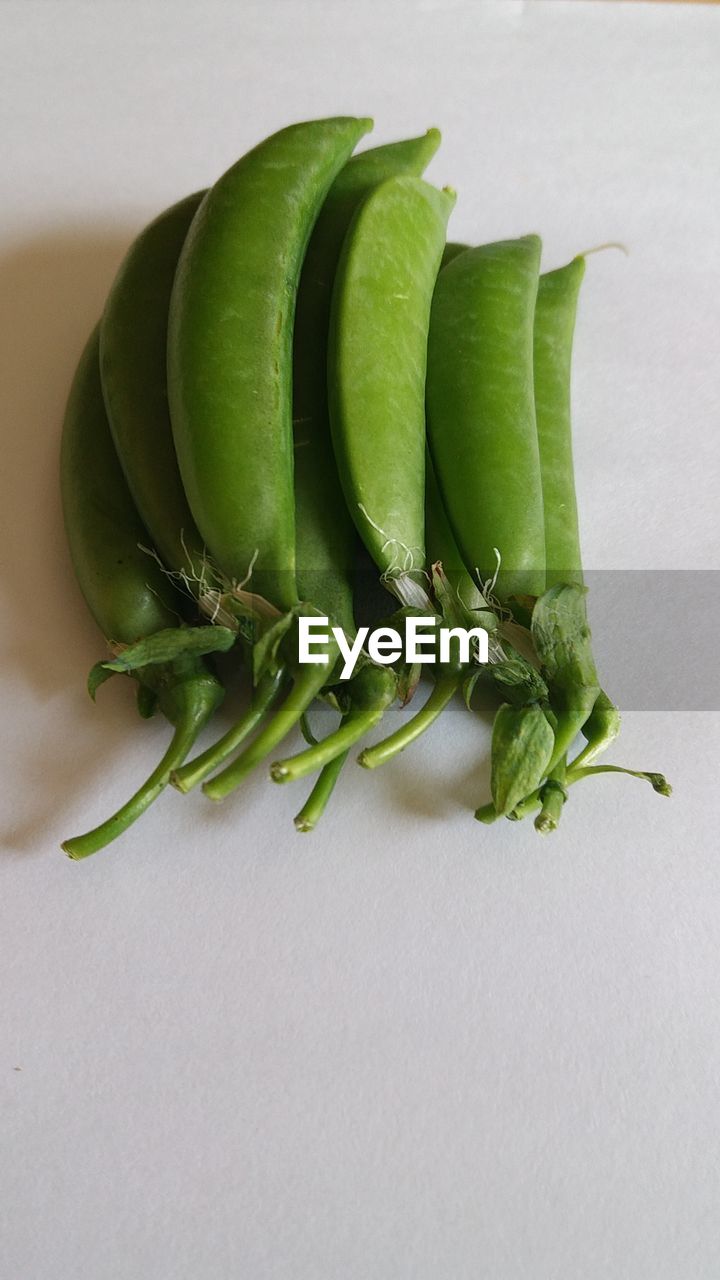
290,366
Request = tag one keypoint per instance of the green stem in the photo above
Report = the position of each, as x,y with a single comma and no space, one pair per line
308,684
355,725
314,807
198,769
657,781
570,720
600,729
487,812
553,795
445,688
199,704
370,693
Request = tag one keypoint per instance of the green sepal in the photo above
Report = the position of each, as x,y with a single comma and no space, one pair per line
334,698
306,731
174,642
97,676
453,611
522,746
266,657
408,679
468,688
515,679
561,635
408,674
147,701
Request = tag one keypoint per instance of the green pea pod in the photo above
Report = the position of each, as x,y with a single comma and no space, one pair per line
133,359
126,591
326,538
555,310
522,746
481,413
376,377
376,368
555,313
230,348
325,534
133,366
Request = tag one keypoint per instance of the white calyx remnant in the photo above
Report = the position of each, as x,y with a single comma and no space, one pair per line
402,576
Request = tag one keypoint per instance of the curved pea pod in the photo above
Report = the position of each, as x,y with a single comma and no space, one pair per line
554,325
127,593
325,536
481,413
555,313
326,540
376,368
230,348
133,367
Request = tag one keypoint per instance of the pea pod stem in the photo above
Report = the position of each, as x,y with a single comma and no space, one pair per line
355,725
316,803
371,692
657,781
268,689
445,688
601,729
488,814
308,684
198,702
553,795
571,717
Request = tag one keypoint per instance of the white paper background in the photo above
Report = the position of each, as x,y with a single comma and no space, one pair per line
407,1047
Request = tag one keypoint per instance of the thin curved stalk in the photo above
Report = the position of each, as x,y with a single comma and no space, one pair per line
184,735
601,729
445,687
553,795
371,693
659,783
316,803
306,687
202,766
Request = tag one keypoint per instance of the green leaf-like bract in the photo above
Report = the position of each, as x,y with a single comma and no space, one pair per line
172,643
522,745
561,636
